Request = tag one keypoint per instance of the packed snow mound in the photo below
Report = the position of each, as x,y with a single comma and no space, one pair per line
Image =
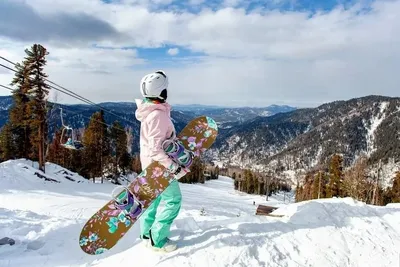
26,172
216,226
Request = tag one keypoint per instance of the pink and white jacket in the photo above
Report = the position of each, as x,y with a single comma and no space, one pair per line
156,127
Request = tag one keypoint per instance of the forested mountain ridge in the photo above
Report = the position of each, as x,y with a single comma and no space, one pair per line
77,116
304,138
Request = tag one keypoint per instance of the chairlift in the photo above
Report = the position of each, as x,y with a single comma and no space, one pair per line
71,142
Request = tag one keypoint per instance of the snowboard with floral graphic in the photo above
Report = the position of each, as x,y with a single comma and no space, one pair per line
108,225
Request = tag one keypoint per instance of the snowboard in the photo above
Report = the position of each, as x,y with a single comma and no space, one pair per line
110,223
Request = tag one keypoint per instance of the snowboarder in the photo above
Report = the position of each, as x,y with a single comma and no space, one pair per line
156,126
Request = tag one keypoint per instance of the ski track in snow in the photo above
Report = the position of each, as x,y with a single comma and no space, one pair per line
45,220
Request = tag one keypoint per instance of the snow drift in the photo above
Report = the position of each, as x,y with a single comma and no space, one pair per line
217,226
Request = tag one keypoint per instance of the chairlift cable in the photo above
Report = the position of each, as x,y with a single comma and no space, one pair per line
70,111
68,92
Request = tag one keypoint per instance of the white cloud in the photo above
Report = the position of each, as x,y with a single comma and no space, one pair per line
107,60
260,58
173,51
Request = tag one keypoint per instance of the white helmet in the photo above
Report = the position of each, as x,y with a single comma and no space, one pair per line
153,84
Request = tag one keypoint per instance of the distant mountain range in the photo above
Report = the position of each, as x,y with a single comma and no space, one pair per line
226,116
77,115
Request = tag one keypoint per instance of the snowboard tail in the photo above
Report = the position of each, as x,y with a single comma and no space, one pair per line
110,223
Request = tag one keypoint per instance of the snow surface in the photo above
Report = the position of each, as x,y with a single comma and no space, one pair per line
45,219
375,122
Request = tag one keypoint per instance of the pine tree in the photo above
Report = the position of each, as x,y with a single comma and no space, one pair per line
308,186
97,146
395,190
136,164
196,174
245,182
18,115
56,151
356,180
210,174
250,183
262,187
38,91
257,184
6,144
118,138
316,186
240,181
335,177
324,179
216,172
299,193
201,166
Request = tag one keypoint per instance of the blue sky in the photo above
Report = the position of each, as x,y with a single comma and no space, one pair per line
283,5
158,58
166,56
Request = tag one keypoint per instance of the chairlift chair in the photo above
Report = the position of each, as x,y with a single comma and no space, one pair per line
71,142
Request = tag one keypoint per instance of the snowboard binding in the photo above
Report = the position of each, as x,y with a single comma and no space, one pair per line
126,201
178,153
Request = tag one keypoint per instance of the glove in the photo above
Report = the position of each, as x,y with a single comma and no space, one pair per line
178,171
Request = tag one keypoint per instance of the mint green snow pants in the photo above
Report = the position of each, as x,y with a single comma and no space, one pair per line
159,226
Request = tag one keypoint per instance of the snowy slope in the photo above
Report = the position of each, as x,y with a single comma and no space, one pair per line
45,219
23,169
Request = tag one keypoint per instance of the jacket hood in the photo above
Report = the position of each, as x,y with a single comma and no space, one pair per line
144,108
